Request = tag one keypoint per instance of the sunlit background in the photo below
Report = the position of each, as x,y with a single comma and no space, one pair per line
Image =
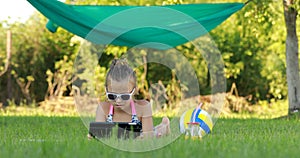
14,10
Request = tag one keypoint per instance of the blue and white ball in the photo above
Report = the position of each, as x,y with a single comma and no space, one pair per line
199,116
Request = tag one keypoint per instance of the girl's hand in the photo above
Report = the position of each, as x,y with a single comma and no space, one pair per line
140,137
90,136
146,135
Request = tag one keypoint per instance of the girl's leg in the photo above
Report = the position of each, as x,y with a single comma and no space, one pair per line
163,128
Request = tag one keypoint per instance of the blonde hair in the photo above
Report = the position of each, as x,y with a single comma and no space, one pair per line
119,71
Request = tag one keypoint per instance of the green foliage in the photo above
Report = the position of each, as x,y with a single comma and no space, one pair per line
89,75
34,51
252,49
60,81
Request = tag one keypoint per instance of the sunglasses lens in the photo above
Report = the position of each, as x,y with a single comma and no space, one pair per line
111,96
125,97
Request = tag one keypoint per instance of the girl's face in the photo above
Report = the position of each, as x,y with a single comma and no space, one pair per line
119,93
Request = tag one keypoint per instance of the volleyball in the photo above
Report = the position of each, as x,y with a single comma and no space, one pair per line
198,117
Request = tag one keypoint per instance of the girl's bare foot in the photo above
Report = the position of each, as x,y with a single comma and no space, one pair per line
163,128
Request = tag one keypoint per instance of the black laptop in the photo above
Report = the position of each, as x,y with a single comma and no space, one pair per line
123,130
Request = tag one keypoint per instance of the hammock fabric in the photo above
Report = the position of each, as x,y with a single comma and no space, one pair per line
159,27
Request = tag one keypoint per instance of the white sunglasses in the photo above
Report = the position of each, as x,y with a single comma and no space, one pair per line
114,96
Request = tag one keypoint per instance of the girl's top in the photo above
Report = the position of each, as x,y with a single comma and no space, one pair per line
134,118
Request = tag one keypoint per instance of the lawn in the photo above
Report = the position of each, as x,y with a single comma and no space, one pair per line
66,137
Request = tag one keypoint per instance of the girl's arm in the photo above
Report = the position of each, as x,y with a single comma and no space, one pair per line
100,115
147,126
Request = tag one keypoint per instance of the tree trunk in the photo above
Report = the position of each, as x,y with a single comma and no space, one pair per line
8,66
8,52
292,62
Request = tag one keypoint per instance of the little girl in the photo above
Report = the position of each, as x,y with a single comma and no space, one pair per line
120,106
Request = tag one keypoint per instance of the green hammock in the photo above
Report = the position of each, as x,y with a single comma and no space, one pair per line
159,27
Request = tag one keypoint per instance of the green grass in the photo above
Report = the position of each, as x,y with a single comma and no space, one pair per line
66,137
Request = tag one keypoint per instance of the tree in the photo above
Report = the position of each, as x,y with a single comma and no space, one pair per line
252,51
292,59
34,51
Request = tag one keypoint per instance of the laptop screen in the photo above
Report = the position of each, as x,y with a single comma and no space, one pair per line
122,130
